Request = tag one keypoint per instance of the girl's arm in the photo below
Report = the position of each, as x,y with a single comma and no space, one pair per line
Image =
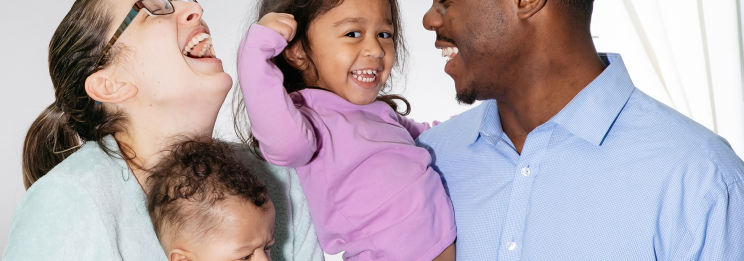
413,127
286,136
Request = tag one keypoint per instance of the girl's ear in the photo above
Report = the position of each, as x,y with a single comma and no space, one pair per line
295,55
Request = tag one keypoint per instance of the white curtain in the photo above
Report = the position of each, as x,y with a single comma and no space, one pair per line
685,53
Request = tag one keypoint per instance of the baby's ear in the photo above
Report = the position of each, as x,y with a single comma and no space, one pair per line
178,255
295,55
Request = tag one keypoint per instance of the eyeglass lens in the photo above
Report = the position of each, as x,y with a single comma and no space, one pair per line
158,7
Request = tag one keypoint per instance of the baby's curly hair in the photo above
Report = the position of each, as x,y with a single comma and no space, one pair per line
187,185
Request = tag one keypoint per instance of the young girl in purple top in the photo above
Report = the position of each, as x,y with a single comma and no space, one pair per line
312,74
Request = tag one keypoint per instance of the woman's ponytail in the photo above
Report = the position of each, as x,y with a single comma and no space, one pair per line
48,142
74,118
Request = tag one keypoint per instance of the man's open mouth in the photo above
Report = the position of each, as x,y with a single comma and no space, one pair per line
450,52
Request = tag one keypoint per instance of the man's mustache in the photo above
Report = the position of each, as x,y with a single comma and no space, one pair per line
445,38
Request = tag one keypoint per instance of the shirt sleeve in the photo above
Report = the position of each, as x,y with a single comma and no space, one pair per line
57,219
709,225
720,236
286,136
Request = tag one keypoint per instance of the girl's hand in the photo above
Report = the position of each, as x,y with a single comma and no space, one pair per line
283,24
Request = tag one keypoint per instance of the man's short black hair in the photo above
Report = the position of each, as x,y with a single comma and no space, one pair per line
580,10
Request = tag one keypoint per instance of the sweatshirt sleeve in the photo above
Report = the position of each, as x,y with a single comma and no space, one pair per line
57,219
286,136
413,127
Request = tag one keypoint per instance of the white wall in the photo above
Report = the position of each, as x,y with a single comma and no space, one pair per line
27,89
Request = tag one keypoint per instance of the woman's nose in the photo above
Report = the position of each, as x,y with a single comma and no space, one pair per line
433,17
189,12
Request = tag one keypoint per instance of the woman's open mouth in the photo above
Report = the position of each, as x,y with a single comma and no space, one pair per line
200,46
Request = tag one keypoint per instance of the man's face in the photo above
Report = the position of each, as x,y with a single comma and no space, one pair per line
486,45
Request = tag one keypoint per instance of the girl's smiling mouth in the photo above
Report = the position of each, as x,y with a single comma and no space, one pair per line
366,78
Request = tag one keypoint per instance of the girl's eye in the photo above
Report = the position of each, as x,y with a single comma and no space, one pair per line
354,34
384,35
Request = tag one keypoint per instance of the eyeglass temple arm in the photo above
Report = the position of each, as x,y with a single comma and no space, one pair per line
127,20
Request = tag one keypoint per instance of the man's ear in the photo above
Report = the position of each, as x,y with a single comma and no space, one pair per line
528,8
106,89
178,255
296,56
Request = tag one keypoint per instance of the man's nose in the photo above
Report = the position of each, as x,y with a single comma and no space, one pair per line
433,17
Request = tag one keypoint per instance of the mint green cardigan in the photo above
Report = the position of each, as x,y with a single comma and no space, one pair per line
90,207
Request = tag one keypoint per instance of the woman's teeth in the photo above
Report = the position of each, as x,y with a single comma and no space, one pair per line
195,41
450,52
360,75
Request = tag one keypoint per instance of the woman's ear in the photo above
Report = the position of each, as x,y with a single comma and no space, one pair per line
295,55
106,89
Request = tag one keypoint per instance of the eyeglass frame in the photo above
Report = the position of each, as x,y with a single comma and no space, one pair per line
136,8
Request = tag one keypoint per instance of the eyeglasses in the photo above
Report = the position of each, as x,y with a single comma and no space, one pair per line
152,7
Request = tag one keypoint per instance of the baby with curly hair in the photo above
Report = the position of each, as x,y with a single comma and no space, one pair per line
205,205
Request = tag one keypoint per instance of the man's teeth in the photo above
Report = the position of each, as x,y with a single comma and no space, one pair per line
196,40
359,75
449,51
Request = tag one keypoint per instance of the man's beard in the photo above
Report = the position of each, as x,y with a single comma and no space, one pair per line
467,96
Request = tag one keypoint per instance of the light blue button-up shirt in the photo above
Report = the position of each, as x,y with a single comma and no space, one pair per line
615,175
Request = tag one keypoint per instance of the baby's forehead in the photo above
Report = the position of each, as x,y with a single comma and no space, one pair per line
232,212
240,222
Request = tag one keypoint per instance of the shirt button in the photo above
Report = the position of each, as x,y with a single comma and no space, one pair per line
526,171
511,246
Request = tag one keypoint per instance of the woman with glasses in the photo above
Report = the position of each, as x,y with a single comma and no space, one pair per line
127,75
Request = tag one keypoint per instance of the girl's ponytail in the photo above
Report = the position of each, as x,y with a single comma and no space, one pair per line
48,142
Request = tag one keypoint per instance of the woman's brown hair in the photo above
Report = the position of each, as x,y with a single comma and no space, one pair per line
305,12
74,118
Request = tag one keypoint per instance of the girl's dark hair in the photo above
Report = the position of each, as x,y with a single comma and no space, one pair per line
305,12
74,117
185,186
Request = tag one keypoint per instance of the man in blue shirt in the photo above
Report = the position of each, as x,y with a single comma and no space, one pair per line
566,159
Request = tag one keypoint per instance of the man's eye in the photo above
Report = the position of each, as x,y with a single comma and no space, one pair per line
354,34
385,35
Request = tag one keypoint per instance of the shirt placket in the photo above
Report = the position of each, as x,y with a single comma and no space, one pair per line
527,168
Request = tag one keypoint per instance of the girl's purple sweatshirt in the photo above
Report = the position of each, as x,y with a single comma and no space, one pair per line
370,190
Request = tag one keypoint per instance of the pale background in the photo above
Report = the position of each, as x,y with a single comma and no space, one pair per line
685,53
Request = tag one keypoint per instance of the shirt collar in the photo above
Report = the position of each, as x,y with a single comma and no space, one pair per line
592,112
486,121
589,115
